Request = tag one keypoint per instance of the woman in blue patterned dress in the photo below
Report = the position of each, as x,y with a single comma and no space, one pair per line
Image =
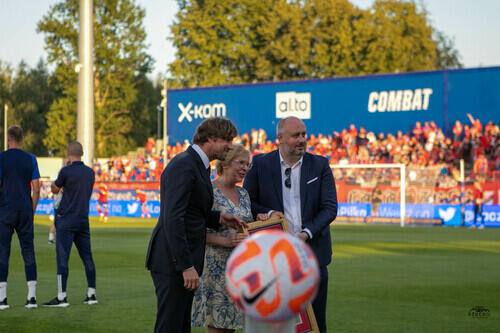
212,306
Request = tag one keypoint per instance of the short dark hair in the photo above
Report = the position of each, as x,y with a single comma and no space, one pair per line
215,128
75,149
15,133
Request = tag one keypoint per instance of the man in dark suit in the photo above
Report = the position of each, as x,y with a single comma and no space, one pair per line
299,185
177,247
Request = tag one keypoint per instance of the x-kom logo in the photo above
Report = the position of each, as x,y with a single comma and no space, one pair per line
189,112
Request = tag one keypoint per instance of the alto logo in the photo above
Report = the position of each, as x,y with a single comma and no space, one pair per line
190,111
447,214
294,104
399,100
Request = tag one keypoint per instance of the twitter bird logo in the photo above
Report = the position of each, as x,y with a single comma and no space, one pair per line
132,208
447,214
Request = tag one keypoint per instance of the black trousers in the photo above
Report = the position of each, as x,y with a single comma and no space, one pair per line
64,241
22,223
319,303
173,314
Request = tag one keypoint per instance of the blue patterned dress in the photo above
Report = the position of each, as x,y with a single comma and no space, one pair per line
212,306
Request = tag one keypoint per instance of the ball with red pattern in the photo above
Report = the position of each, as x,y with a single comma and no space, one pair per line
272,275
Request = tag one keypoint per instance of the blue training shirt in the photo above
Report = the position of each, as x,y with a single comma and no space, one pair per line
77,182
17,169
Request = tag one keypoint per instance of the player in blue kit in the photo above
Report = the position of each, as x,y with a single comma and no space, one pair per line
18,170
72,223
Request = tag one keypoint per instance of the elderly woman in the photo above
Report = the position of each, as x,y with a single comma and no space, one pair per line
212,306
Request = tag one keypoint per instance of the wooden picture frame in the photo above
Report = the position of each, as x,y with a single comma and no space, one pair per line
306,321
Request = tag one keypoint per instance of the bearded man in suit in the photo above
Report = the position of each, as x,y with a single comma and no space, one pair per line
300,186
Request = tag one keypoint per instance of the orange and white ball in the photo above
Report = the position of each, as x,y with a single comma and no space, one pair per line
272,275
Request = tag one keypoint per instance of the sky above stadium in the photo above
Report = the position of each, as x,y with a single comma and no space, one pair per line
474,26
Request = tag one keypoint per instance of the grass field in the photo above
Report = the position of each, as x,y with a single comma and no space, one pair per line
382,279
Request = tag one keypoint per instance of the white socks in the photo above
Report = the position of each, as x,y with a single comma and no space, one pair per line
31,289
3,290
90,292
51,236
60,294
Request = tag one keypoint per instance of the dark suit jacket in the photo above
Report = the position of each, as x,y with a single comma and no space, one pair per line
318,196
186,198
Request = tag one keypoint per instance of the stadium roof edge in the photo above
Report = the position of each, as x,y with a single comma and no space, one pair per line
343,78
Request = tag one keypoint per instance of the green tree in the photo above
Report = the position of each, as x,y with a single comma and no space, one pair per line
31,98
120,66
145,107
446,54
249,41
5,92
28,94
236,41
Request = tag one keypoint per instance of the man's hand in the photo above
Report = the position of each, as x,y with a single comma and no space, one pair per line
232,221
262,217
54,188
277,214
191,279
303,236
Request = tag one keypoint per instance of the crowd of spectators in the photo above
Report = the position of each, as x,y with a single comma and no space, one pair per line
425,146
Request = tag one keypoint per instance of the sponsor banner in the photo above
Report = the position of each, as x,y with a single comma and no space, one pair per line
386,210
290,104
122,208
120,186
415,194
380,103
45,207
151,195
452,215
491,215
417,211
354,209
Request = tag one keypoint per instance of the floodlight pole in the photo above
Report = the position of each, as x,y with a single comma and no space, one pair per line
85,69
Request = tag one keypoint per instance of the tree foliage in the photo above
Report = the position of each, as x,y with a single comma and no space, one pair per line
6,77
240,41
121,63
28,95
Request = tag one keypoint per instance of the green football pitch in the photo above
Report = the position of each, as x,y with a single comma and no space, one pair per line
382,279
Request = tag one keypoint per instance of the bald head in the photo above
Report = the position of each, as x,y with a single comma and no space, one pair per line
280,128
292,138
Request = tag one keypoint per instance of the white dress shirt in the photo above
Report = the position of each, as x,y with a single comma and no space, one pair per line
203,156
291,197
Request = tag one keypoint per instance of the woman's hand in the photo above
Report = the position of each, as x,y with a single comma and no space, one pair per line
235,239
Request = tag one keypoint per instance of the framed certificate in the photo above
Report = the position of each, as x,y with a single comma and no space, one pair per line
306,322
